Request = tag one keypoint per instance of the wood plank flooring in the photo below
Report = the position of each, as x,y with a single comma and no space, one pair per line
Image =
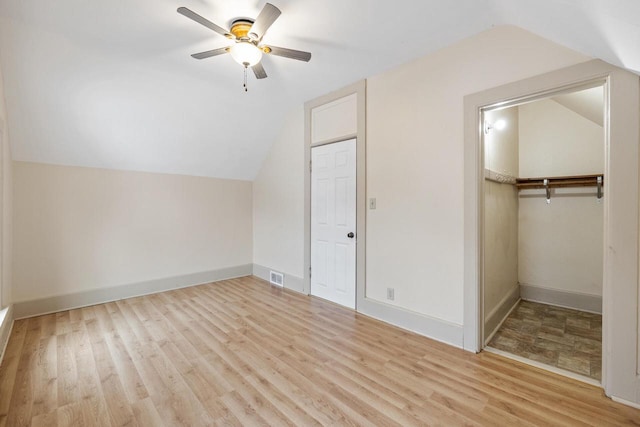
240,352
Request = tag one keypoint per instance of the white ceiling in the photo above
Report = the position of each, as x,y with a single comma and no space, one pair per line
110,84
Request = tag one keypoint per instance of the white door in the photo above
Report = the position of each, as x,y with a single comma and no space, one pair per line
333,222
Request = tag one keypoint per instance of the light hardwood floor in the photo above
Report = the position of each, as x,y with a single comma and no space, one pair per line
240,352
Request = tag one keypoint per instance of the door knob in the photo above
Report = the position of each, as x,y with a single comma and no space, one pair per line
351,235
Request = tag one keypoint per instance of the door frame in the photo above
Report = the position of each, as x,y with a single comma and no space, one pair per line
359,89
620,343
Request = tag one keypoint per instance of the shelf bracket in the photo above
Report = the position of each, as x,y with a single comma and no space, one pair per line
547,189
599,185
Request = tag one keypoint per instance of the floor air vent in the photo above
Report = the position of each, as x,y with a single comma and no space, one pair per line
276,278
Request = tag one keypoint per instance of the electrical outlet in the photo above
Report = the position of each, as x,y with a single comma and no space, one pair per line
372,203
390,294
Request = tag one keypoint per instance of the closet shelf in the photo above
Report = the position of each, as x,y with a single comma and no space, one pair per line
560,181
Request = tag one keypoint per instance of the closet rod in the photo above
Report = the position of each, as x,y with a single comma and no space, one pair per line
561,181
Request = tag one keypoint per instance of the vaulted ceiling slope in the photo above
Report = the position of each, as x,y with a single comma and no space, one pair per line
111,84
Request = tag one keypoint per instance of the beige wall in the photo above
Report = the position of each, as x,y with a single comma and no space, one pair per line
500,218
334,120
3,106
501,151
415,163
278,202
79,229
556,141
561,243
414,169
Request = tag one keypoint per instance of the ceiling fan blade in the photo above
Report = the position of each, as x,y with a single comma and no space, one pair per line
288,53
259,71
267,16
210,53
203,21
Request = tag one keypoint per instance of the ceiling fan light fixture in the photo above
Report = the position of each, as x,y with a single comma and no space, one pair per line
247,34
245,53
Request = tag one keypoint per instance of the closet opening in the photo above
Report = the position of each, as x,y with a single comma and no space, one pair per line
543,225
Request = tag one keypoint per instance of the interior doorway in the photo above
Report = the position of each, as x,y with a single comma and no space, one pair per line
620,304
544,163
333,222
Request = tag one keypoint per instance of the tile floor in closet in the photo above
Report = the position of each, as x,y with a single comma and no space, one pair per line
560,337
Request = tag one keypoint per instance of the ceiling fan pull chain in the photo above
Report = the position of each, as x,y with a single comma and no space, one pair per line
246,65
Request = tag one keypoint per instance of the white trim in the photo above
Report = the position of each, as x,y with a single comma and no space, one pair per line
427,326
495,331
58,303
499,314
342,138
6,326
544,366
558,298
291,282
625,402
359,88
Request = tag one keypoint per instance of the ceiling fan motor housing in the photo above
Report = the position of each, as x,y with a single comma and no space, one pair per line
240,28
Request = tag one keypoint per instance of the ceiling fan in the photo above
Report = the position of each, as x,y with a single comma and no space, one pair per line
247,34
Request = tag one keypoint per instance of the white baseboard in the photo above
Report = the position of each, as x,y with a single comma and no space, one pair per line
574,300
430,327
6,324
427,326
498,315
291,282
626,402
97,296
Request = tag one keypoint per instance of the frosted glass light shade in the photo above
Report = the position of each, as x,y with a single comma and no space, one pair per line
500,124
246,53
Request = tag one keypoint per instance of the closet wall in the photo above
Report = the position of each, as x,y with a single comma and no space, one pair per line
560,250
501,289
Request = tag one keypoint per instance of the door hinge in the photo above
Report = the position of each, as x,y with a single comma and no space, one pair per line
310,167
309,271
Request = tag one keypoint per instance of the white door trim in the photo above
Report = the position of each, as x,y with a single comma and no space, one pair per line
361,204
620,286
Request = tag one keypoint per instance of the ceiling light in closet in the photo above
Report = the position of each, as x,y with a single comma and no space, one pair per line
498,125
